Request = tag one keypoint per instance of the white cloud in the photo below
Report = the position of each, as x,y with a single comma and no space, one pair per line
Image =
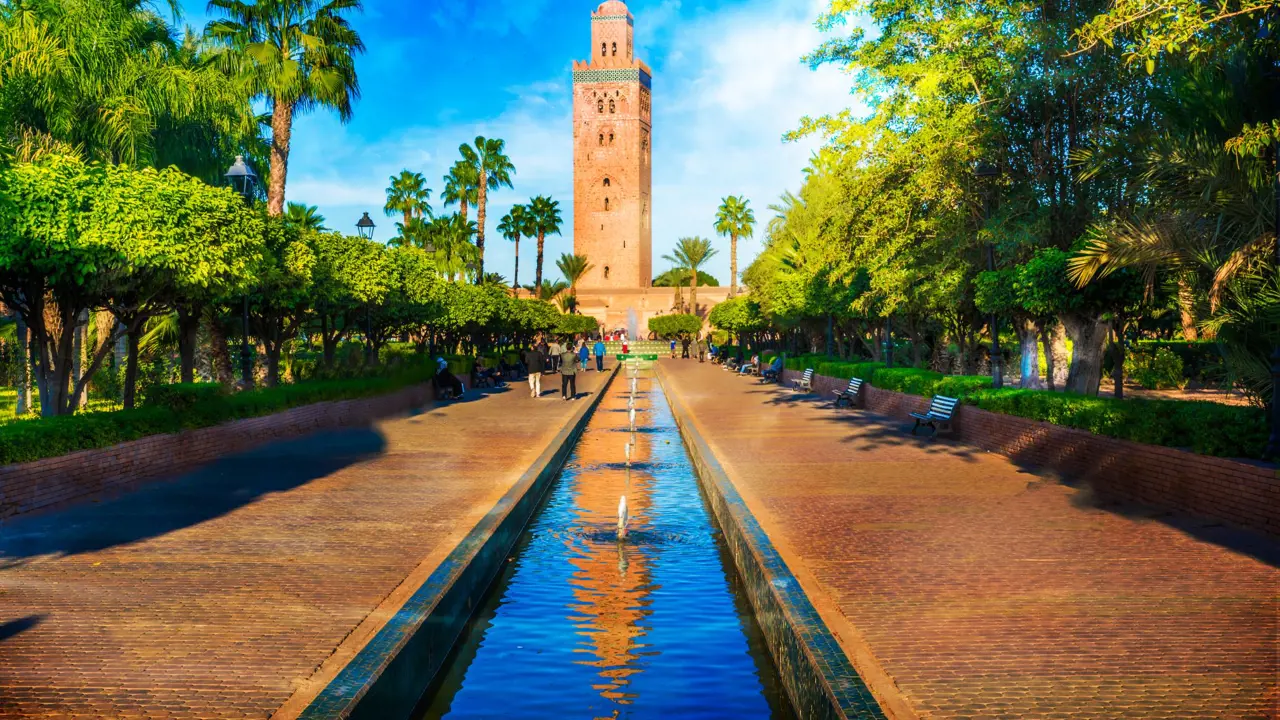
727,86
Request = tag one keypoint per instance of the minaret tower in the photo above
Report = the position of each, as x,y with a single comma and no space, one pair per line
612,175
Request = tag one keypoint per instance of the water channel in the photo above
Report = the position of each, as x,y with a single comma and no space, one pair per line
585,624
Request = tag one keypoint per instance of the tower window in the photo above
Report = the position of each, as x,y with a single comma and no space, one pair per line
600,105
606,182
604,50
615,49
606,204
606,272
610,138
602,138
611,106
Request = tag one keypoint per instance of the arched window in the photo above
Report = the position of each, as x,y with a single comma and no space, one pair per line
611,106
602,138
615,49
606,182
606,272
610,138
604,50
606,203
600,105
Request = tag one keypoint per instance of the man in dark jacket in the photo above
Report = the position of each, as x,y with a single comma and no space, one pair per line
568,374
535,361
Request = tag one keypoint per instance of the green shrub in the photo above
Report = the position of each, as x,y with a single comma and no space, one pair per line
1201,359
172,408
1155,369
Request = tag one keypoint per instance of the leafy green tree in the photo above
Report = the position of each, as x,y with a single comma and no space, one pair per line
280,301
294,54
689,255
545,220
677,277
735,219
677,325
515,225
409,196
493,169
349,276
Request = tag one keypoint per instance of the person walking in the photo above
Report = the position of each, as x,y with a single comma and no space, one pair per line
553,354
673,348
599,350
584,355
703,348
568,374
684,348
535,361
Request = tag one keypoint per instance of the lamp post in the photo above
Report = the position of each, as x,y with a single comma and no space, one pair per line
988,173
365,227
243,180
1273,445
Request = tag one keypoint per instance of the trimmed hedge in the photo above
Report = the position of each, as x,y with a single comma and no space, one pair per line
1204,427
1201,359
173,408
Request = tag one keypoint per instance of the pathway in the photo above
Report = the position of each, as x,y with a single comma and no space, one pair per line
220,594
982,591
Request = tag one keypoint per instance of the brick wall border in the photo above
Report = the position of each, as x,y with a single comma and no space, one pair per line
67,479
1232,491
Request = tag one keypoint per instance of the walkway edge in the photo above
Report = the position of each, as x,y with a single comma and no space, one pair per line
819,677
387,677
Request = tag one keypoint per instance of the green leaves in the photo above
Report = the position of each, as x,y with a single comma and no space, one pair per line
676,325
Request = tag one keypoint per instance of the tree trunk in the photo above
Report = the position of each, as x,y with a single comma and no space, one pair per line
222,371
1029,342
1186,308
281,131
693,291
537,277
1089,336
515,276
733,265
24,371
462,207
80,349
1050,364
272,355
482,197
188,331
130,369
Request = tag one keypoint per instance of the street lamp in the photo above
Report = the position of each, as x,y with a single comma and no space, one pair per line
365,227
988,173
244,181
1273,445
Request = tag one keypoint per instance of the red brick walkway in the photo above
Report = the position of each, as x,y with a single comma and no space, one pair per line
218,595
983,591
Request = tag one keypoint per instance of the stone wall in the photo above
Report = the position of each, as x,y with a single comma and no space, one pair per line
58,481
1241,493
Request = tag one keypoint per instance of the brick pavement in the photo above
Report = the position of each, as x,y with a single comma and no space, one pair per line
219,594
972,589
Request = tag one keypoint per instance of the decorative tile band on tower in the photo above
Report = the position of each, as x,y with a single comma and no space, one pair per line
625,75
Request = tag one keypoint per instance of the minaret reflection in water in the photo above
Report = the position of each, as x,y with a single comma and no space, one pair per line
589,622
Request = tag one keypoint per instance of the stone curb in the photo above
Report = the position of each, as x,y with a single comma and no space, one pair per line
818,676
387,677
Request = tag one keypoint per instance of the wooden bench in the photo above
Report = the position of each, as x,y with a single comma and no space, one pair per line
850,393
805,383
938,416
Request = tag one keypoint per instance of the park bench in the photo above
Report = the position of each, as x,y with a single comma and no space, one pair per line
805,383
850,393
938,416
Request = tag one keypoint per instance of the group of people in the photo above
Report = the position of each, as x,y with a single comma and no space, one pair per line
566,358
702,345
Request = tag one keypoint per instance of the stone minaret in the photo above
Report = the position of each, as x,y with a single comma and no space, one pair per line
612,146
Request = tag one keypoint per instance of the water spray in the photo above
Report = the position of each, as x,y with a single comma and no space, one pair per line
622,517
627,447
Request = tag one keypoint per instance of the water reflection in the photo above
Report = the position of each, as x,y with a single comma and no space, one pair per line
585,624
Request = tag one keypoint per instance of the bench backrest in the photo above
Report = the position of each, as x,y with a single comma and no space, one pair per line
808,374
855,386
943,406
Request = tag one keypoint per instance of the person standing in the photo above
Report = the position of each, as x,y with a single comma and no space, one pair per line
553,354
568,374
684,348
673,348
703,344
599,352
535,361
584,355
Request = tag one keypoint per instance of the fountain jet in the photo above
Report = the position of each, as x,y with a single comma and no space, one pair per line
622,516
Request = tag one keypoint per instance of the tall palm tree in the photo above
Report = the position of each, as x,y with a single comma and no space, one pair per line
493,170
450,239
512,228
295,54
305,217
408,195
417,233
736,220
546,220
549,290
461,187
573,267
690,254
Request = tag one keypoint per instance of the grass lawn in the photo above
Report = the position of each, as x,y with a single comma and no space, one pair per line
9,401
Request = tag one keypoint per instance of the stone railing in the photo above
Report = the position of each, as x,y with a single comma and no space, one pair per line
1241,493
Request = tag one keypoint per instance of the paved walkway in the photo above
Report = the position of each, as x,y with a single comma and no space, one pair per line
982,591
221,593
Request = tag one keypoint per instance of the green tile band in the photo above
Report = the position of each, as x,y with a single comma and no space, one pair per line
618,75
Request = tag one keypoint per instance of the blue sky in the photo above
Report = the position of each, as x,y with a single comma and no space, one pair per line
728,82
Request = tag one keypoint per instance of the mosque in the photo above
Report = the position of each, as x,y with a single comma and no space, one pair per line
613,180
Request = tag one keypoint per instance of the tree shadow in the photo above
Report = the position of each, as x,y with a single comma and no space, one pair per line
165,506
21,625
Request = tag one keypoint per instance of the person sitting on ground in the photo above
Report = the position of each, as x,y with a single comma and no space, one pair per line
774,372
445,380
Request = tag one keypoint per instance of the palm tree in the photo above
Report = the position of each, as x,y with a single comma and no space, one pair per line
305,217
493,170
512,228
734,219
450,239
461,187
295,54
415,233
573,267
548,291
408,195
690,254
546,220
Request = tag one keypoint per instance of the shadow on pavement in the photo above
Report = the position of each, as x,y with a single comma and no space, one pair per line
164,506
21,625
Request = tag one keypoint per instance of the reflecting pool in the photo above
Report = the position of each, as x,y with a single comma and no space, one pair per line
584,623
